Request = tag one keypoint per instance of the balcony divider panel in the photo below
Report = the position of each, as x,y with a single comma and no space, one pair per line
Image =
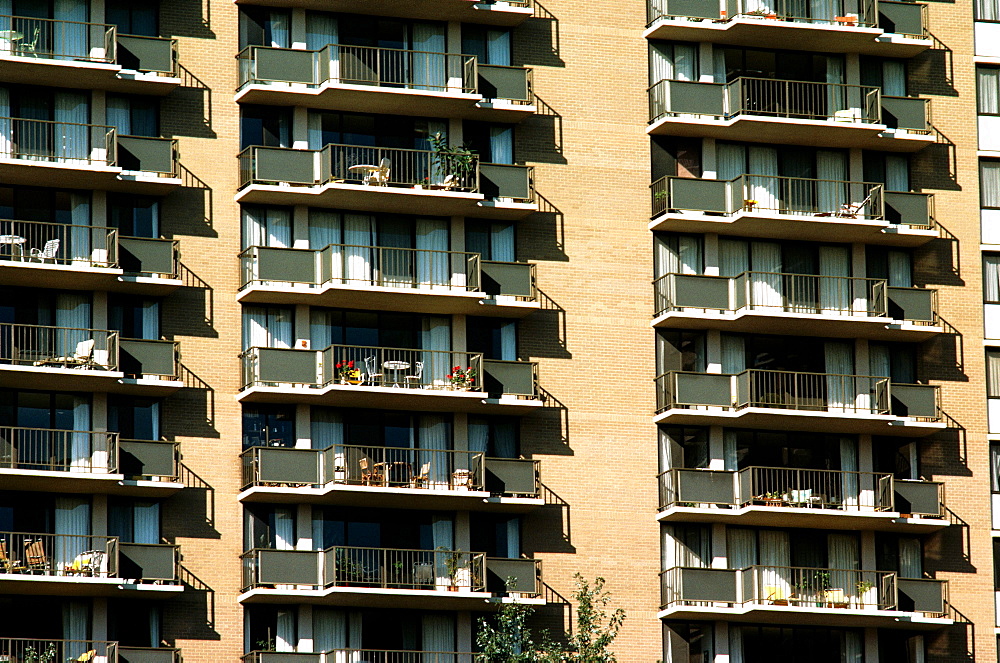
147,561
142,458
512,476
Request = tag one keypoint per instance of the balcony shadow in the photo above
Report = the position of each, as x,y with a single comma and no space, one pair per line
543,140
182,413
187,18
543,234
943,357
556,616
187,111
946,453
549,428
196,304
957,643
197,505
933,71
939,262
549,529
544,332
190,208
936,166
537,40
182,620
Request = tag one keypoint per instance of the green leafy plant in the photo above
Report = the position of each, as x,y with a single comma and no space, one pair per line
863,586
267,644
459,160
32,655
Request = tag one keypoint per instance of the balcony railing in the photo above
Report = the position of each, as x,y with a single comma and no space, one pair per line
148,655
389,467
795,293
58,243
345,566
64,555
830,490
790,390
386,169
58,347
384,67
838,12
34,649
75,41
60,142
387,267
380,655
802,587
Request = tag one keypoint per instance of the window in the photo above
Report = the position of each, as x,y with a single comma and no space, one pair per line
133,18
134,418
688,642
995,467
993,373
489,45
267,327
133,116
492,240
494,338
889,75
262,125
987,10
497,437
989,183
494,143
134,216
683,447
134,521
267,226
680,351
260,26
988,90
677,254
268,426
991,278
672,62
892,170
134,317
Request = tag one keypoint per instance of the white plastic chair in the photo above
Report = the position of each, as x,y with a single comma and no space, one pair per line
48,252
418,371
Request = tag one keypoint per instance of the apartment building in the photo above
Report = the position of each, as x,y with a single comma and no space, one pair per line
326,328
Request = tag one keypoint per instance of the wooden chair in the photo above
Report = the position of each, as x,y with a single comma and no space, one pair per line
776,594
420,480
370,476
34,555
8,565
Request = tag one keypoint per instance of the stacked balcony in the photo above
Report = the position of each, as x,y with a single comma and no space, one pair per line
506,13
74,54
38,649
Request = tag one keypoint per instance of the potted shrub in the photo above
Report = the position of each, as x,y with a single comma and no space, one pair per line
347,373
462,379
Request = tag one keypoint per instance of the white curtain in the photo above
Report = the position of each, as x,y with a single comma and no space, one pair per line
321,29
841,390
835,293
435,338
72,517
741,547
731,162
429,62
267,226
849,465
822,12
284,528
729,459
71,36
442,536
764,168
878,360
498,47
146,522
837,96
508,341
438,636
734,258
285,638
479,435
81,455
910,558
433,268
75,627
80,240
897,173
267,327
853,646
73,312
359,235
775,555
72,139
733,354
278,22
434,437
329,629
118,113
502,242
893,78
842,559
831,170
736,639
991,278
326,428
6,125
900,271
151,319
765,261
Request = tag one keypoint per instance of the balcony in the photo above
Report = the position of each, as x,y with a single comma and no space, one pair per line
787,497
343,655
77,461
891,29
34,650
91,156
794,208
798,595
819,402
376,179
407,379
790,112
387,577
148,655
796,304
388,278
390,477
385,80
41,51
487,12
68,358
78,257
61,564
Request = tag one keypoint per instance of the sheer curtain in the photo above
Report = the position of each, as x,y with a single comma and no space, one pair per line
284,528
893,78
731,462
443,537
118,114
900,269
775,556
73,314
72,112
267,327
325,230
326,428
733,354
849,465
831,170
764,168
433,268
359,236
429,62
285,638
991,277
910,558
435,436
841,390
502,143
6,124
502,242
277,23
81,455
435,339
766,287
741,547
843,559
835,293
75,627
321,31
267,226
897,173
80,235
498,47
438,636
731,162
734,257
72,517
146,522
71,36
988,90
329,630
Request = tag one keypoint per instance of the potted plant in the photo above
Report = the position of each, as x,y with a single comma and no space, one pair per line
458,573
863,587
462,379
32,655
749,204
458,161
773,498
821,582
347,373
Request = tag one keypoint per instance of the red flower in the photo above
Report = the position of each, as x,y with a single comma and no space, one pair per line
448,376
340,364
350,364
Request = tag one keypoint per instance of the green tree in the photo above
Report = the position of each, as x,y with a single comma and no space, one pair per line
509,640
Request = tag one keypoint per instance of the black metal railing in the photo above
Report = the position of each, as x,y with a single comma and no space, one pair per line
39,650
46,38
55,450
845,13
58,347
61,142
58,243
379,655
58,554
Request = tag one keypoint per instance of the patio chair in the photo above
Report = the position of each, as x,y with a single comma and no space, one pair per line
776,594
373,371
449,182
47,252
83,356
8,565
370,476
85,657
420,480
380,177
34,555
418,371
30,48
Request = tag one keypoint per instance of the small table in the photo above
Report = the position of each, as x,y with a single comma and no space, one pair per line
8,40
15,244
365,170
396,366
